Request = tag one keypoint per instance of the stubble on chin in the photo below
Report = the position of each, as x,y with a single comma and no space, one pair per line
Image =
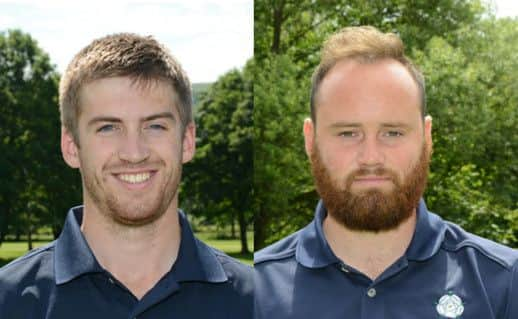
129,212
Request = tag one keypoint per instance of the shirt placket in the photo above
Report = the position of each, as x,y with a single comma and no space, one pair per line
373,293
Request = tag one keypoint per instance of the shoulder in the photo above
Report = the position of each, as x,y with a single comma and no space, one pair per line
234,269
457,240
28,265
33,271
281,250
496,265
238,274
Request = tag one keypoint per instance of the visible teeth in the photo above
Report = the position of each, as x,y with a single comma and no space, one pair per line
135,178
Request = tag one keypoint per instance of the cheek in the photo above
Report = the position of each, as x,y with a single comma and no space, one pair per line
338,159
170,153
403,161
95,157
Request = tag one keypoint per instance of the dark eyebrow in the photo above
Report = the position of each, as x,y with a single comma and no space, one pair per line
104,119
112,119
168,115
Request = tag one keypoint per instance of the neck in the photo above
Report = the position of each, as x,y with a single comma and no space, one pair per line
369,252
138,257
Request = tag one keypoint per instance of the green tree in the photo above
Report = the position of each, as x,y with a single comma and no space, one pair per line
299,27
281,172
469,60
471,96
36,186
219,180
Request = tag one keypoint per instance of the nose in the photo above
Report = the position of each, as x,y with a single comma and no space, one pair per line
370,153
134,148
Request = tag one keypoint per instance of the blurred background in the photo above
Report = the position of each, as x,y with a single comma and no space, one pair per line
468,52
250,63
213,41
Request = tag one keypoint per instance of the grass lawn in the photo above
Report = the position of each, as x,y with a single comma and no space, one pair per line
11,250
231,247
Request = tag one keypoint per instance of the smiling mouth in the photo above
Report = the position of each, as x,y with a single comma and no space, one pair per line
134,178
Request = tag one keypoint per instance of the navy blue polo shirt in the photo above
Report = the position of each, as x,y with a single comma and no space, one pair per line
64,280
445,273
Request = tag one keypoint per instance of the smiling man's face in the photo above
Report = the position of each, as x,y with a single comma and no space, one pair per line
130,150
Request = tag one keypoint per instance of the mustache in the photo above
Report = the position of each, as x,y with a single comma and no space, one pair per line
379,171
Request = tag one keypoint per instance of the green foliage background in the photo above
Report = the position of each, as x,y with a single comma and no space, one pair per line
37,188
34,178
217,184
469,59
251,165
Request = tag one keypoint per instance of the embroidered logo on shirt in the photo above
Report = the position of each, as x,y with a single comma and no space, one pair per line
450,306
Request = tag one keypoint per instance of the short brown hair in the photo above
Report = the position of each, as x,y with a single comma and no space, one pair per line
365,44
123,54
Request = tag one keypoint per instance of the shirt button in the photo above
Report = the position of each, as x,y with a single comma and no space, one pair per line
111,280
343,268
371,292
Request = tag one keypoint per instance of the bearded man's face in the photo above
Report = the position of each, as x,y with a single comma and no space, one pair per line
371,208
369,145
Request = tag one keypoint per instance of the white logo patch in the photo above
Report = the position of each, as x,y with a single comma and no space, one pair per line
450,306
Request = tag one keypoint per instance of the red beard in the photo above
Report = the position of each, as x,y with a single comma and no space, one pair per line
372,209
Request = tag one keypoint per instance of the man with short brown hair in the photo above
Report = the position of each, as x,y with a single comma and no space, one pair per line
373,249
128,251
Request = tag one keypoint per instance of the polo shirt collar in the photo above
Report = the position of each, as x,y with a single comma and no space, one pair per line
313,250
196,261
73,256
428,235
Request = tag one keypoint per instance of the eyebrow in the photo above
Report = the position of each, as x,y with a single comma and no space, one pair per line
396,124
356,124
344,124
166,115
112,119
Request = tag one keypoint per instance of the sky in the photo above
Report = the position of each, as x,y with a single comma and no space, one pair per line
506,8
208,37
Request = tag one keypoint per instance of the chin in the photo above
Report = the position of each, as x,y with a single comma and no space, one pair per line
135,214
363,191
135,220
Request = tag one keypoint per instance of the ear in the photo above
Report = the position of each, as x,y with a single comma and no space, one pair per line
428,131
309,135
69,149
189,142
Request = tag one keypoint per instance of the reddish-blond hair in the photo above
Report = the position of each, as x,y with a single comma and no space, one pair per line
364,44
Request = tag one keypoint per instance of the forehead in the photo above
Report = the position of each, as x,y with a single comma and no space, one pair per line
126,97
383,90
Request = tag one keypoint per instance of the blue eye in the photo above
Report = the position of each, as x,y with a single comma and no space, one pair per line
106,128
157,127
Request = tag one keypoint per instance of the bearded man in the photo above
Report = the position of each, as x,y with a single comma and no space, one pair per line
128,251
373,249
